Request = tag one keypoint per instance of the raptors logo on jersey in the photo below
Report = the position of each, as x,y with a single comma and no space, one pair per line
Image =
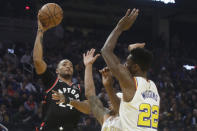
142,112
74,92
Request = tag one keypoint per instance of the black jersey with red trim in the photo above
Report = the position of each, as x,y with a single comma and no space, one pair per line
61,115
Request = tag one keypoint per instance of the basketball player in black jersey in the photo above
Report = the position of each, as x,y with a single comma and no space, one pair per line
61,116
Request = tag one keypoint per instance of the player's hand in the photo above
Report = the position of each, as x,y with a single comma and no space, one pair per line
127,21
107,79
58,97
41,27
136,45
89,57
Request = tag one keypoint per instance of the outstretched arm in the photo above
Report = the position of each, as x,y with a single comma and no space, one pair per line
82,106
107,51
108,84
95,104
39,63
112,61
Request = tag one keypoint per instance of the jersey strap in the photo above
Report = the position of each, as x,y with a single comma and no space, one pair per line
47,91
136,83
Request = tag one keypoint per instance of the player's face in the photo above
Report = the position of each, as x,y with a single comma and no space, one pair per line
65,69
131,66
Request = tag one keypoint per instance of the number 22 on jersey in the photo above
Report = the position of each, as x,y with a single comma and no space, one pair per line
148,116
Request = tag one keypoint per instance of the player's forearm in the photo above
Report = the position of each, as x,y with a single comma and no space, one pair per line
115,101
82,106
89,83
38,49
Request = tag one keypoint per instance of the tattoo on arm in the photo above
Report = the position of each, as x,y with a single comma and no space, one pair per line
97,108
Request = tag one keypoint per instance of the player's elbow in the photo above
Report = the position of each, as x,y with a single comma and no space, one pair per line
105,51
36,61
40,66
36,58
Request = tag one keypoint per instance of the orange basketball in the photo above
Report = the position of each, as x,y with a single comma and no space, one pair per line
50,15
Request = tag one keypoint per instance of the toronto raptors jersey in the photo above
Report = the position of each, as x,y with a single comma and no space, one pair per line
142,112
112,124
62,116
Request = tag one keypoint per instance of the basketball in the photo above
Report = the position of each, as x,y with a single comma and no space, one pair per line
50,15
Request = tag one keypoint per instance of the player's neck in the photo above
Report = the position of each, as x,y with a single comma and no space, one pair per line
67,81
141,74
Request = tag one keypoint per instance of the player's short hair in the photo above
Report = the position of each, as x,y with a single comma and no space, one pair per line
58,65
142,57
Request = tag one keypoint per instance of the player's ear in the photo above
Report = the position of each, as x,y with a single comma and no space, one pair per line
57,71
136,67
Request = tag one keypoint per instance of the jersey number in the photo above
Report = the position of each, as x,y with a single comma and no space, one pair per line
148,116
62,105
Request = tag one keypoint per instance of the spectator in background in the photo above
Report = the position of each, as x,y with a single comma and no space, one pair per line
26,58
4,115
29,86
31,106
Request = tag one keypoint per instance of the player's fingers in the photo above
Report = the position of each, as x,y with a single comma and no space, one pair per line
55,92
88,52
92,51
136,13
55,97
132,12
58,102
84,55
101,71
142,44
97,55
106,70
128,12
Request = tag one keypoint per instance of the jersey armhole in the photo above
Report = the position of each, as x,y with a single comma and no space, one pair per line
47,91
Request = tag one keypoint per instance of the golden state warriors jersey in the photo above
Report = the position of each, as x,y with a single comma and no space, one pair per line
112,124
142,112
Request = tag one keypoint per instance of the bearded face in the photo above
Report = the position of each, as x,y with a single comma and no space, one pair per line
65,69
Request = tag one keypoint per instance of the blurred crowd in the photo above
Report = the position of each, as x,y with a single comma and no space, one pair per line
21,90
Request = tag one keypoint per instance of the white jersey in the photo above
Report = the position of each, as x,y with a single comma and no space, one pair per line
112,124
142,112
